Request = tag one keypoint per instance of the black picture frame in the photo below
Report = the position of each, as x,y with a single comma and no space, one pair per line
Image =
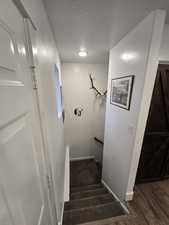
121,91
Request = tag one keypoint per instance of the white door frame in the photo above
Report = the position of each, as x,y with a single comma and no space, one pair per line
38,101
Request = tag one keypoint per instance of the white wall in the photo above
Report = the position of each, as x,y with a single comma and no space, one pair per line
124,129
164,49
79,131
47,57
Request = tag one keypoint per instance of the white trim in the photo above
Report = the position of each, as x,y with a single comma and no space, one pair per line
67,175
41,215
39,106
115,196
7,69
66,182
61,220
11,83
23,11
82,158
129,196
150,75
163,62
110,190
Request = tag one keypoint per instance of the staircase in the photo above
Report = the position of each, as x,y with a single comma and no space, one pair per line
90,202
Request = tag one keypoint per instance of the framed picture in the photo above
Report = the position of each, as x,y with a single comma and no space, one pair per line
121,91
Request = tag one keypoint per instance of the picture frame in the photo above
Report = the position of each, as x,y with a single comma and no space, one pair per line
121,91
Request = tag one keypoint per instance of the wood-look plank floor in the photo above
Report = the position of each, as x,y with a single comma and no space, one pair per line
149,207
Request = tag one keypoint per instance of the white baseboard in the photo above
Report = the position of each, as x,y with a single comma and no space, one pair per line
82,158
115,196
66,183
62,212
129,196
109,189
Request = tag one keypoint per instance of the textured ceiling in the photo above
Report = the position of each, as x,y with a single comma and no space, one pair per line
96,25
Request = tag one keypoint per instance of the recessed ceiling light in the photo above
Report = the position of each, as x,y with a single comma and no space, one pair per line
82,53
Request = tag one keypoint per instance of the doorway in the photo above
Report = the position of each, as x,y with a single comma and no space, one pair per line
154,159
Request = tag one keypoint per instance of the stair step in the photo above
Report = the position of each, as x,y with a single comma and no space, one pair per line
84,172
88,193
88,202
86,188
93,213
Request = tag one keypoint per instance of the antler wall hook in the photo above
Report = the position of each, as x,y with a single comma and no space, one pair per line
95,88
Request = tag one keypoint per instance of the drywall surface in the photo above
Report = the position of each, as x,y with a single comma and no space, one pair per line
164,49
48,56
80,131
136,54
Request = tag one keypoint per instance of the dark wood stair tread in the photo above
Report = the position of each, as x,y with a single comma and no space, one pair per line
86,187
93,213
88,193
88,202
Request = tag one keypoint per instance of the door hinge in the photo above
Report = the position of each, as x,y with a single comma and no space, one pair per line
34,80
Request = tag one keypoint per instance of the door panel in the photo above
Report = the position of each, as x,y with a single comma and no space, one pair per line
19,171
7,47
154,157
10,83
157,123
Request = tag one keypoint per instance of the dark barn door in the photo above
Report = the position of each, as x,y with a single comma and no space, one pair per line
154,160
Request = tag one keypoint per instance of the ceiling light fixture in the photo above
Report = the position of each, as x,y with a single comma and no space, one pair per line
82,53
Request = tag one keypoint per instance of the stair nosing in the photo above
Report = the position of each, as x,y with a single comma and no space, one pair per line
108,220
95,206
90,185
94,196
85,197
88,207
86,185
86,191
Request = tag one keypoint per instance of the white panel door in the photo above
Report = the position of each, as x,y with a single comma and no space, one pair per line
21,196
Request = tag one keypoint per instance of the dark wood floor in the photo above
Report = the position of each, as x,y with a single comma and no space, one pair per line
149,207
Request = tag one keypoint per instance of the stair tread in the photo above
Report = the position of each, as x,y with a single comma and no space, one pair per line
90,201
88,193
93,213
84,172
85,187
